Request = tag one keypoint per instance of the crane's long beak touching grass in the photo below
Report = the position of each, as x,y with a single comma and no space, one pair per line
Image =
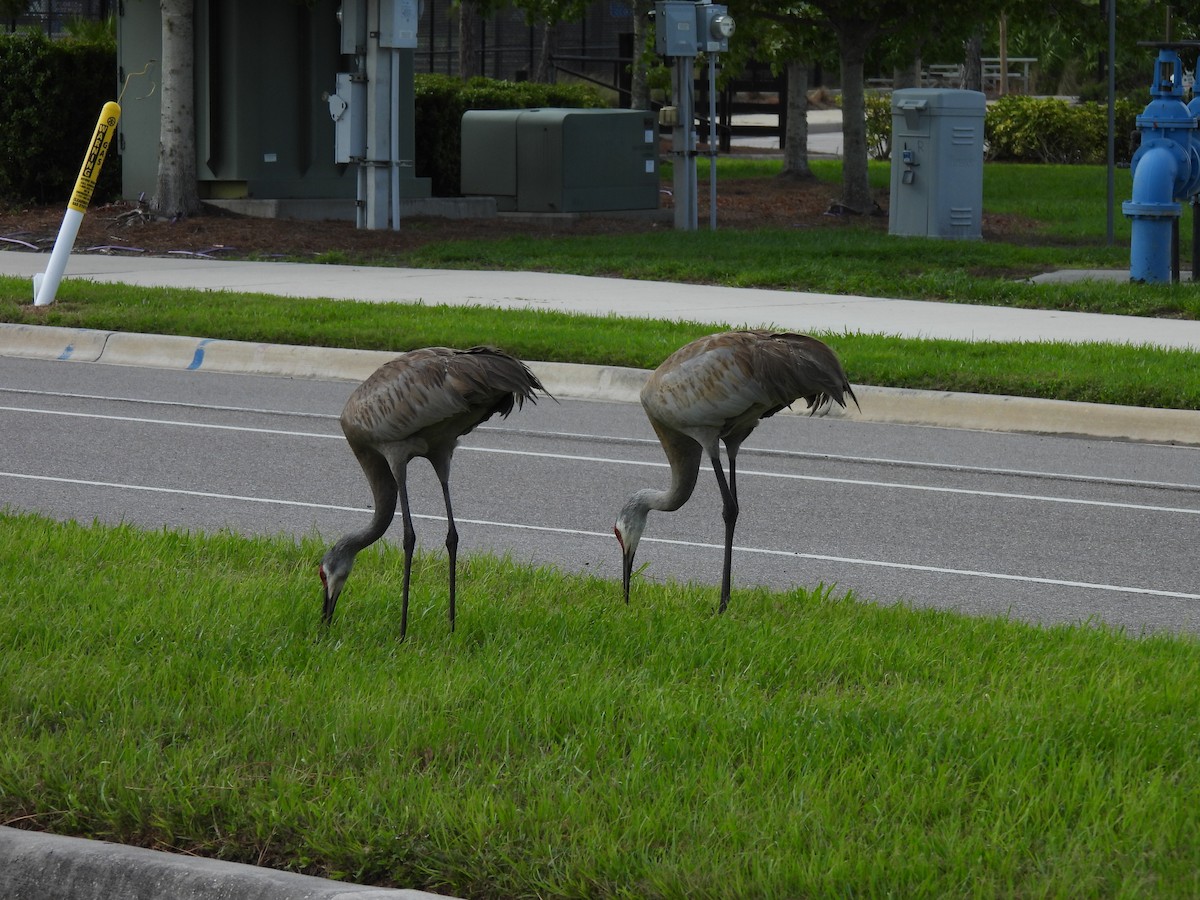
626,563
330,597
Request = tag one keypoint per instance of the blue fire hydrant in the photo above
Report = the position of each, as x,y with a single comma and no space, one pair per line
1166,169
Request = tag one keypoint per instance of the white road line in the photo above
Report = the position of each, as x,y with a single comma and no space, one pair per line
174,422
859,482
574,532
567,457
614,439
593,439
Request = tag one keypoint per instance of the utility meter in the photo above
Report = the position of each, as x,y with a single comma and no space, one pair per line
714,28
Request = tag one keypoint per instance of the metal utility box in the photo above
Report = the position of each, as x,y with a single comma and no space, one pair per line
561,160
398,24
937,163
347,108
675,24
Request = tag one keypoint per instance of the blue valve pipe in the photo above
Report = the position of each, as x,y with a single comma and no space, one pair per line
1166,169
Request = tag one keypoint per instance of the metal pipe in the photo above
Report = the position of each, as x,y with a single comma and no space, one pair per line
1174,251
1196,237
394,153
1112,117
712,142
1153,213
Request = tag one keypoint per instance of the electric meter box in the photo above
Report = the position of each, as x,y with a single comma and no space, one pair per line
398,24
937,163
675,26
561,160
714,27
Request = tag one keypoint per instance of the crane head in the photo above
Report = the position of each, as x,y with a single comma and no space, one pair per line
334,569
628,528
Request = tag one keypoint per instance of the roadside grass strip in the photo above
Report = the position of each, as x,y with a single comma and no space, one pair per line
176,690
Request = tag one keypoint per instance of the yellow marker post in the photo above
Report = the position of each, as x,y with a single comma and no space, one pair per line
46,286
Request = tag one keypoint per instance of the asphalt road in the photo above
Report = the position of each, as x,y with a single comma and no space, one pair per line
1041,528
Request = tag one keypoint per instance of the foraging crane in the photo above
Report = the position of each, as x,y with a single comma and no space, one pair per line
419,404
717,389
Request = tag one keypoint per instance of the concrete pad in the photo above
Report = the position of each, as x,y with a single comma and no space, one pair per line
38,866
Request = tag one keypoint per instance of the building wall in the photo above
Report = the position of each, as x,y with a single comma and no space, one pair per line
262,127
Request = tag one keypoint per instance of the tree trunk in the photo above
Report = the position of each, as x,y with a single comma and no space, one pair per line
909,76
640,86
175,192
544,73
973,62
795,140
470,62
856,188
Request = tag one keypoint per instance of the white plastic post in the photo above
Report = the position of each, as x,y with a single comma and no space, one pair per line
45,286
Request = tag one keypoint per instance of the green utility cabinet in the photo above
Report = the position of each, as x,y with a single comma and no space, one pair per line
561,160
937,163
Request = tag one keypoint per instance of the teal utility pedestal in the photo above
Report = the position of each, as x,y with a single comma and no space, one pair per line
937,163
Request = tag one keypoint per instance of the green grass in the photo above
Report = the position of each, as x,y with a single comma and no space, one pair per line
176,690
1132,376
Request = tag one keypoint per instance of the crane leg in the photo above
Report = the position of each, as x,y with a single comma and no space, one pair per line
451,546
729,512
410,544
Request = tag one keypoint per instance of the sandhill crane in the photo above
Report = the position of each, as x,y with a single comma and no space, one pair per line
717,389
419,404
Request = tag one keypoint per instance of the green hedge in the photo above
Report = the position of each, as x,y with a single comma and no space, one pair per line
441,101
1029,129
1049,130
53,93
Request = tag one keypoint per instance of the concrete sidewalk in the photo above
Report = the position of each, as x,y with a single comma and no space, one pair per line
796,310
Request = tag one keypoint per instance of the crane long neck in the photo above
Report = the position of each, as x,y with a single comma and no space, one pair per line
684,455
383,489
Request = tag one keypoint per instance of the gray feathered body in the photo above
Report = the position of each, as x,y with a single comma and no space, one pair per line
426,399
722,385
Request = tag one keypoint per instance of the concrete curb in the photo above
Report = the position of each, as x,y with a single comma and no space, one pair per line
884,405
39,866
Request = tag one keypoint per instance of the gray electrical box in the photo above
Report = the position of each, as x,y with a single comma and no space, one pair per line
675,28
937,163
398,24
348,109
353,16
561,160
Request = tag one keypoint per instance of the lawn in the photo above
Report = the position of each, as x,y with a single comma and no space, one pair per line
177,691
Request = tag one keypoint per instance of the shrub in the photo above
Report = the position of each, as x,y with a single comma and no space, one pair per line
442,100
879,124
1018,128
1049,130
53,92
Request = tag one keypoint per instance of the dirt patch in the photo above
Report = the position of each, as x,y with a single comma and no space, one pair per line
122,228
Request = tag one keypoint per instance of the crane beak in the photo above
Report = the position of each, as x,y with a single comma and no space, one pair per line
331,598
626,564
